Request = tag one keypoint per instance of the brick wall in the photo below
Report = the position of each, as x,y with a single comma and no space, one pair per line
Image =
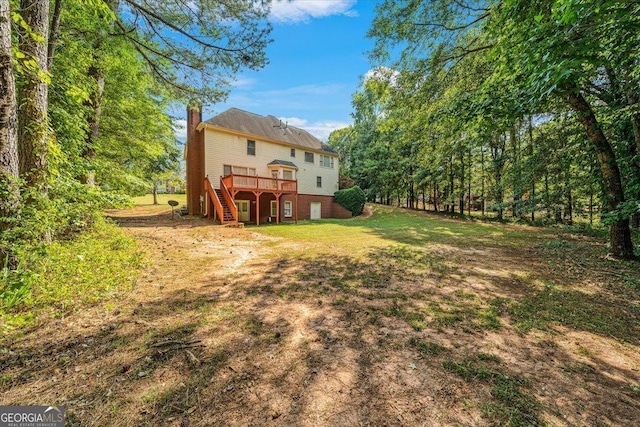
195,160
328,209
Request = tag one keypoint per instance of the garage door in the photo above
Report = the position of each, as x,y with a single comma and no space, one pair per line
316,209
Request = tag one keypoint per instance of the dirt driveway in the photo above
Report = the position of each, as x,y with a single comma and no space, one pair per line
226,328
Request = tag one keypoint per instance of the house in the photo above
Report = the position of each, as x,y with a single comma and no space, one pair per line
244,167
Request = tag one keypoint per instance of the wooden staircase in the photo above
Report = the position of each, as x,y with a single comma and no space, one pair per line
228,215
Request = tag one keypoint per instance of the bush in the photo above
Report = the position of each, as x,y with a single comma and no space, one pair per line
52,280
352,199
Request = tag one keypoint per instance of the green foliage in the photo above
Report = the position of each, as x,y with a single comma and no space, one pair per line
511,405
577,310
62,277
472,102
352,199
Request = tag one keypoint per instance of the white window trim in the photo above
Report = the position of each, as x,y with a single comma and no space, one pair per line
289,208
312,155
251,171
273,208
331,162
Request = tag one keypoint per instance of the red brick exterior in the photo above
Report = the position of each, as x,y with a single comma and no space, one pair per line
329,208
195,160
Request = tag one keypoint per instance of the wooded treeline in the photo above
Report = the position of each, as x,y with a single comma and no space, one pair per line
85,86
527,109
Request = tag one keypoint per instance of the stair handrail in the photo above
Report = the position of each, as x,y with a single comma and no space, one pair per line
227,197
214,198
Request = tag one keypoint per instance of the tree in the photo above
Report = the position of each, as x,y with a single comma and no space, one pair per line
9,168
536,52
33,125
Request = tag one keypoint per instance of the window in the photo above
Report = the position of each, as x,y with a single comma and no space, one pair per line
319,181
287,174
274,208
293,152
251,147
288,208
326,161
239,170
308,157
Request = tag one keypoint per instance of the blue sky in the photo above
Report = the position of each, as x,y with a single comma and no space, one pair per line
316,61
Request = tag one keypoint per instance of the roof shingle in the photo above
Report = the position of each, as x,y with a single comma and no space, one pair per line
269,127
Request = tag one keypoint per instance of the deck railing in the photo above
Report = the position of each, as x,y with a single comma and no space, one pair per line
259,183
214,200
229,200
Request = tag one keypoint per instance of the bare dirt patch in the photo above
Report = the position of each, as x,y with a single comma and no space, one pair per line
228,326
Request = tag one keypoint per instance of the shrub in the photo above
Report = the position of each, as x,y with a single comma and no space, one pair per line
352,199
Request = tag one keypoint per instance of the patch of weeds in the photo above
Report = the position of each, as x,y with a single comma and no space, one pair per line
488,318
180,398
465,309
461,294
557,244
253,325
577,368
5,379
587,312
102,262
635,389
443,316
15,288
426,347
340,300
414,319
510,404
176,332
404,261
372,314
632,283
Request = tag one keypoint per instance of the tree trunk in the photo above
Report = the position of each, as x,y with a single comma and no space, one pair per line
462,184
533,176
619,231
54,32
435,196
33,126
155,193
517,192
9,167
482,180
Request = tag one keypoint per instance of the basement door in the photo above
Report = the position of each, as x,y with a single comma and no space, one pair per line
243,210
316,209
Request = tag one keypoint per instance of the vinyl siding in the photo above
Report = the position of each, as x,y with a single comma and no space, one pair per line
227,149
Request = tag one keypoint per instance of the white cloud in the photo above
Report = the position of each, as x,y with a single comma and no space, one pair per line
303,10
320,129
384,74
180,129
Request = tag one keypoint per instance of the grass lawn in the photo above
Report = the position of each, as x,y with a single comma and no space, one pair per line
147,199
400,318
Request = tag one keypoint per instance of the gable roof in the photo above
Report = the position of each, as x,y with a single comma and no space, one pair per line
282,163
268,127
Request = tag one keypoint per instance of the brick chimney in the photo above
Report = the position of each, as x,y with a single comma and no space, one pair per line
195,158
